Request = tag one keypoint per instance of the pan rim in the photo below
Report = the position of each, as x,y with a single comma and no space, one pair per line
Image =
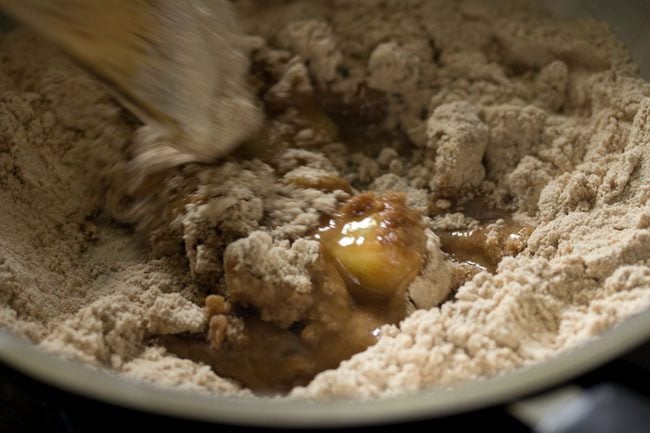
108,387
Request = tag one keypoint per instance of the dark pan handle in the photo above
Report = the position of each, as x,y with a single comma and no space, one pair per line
605,408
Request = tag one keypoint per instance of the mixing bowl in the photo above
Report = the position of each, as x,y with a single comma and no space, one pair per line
629,22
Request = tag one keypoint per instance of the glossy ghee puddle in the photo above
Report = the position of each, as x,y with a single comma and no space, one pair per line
370,252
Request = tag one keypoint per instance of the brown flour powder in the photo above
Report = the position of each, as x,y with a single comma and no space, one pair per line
542,117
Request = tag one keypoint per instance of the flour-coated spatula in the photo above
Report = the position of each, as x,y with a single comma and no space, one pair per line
178,65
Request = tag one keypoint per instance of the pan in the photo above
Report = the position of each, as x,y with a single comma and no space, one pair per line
628,23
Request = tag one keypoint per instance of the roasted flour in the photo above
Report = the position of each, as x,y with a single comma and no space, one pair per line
545,118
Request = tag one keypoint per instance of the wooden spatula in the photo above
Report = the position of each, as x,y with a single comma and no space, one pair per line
179,65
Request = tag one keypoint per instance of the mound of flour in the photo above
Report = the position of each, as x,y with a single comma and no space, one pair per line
543,117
